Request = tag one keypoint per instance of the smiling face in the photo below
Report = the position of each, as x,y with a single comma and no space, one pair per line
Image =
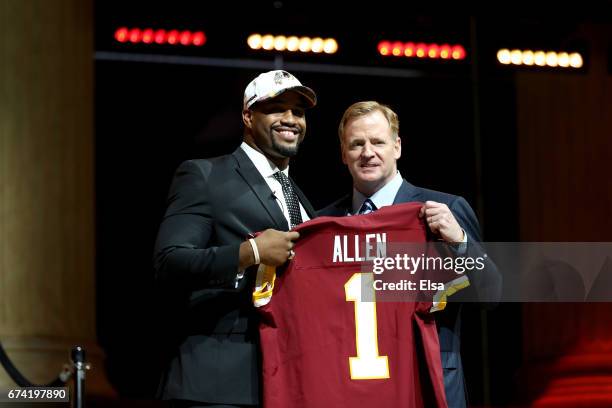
276,127
370,150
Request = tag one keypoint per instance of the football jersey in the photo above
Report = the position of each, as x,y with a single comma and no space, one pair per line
324,344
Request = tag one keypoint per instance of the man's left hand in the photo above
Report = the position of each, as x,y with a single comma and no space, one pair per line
441,221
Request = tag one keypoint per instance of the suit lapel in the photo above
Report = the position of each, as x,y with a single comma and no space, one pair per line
249,173
342,207
345,206
407,193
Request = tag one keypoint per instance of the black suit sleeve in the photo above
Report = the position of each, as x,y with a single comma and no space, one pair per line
486,284
183,250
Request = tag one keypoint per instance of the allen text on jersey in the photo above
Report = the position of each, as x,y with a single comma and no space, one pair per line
357,248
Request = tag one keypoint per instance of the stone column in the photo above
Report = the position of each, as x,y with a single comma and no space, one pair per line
47,277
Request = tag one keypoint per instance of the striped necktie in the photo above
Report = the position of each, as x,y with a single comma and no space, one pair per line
367,207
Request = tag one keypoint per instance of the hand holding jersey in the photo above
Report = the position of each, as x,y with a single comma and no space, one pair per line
442,222
273,247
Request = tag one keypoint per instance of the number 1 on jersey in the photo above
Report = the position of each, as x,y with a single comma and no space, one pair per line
367,365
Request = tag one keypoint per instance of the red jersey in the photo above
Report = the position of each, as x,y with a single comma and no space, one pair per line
325,345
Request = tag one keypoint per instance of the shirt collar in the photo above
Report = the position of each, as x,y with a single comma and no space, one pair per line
265,167
382,198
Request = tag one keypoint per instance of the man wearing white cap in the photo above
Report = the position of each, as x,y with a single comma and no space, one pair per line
203,244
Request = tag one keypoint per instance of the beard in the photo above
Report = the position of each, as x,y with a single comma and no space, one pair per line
285,151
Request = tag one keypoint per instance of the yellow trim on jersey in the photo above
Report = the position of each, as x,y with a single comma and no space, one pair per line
264,285
450,288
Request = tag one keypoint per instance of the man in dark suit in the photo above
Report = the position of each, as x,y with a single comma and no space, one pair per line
203,245
371,146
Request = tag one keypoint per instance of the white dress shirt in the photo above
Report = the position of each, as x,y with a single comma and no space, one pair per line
382,198
266,168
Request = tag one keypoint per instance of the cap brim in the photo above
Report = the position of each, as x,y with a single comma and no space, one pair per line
309,97
307,93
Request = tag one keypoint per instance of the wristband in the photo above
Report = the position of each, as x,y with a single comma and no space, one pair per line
255,251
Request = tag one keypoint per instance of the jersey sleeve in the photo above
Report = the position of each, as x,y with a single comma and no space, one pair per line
264,285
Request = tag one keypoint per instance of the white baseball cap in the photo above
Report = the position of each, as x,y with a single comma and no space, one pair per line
273,83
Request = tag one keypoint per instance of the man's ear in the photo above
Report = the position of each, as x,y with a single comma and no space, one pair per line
398,148
247,118
342,156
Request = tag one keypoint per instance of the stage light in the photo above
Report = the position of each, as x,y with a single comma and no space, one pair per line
575,60
503,56
147,36
409,49
551,59
185,37
304,44
134,35
198,39
445,51
254,41
539,58
421,50
397,48
563,59
330,46
280,43
317,45
516,57
121,34
173,37
160,36
293,43
527,57
384,47
267,42
458,52
434,51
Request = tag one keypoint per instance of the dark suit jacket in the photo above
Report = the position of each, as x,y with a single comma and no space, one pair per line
213,205
485,285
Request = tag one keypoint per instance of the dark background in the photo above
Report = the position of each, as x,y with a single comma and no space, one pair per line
457,123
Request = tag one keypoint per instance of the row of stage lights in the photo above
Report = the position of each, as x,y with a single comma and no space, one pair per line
540,58
292,43
421,50
318,45
160,36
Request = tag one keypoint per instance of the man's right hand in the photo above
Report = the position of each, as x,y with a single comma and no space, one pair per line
274,246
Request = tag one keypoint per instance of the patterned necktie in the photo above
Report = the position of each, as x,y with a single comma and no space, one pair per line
367,207
291,200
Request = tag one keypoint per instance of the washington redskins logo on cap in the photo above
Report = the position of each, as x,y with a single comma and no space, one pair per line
280,76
